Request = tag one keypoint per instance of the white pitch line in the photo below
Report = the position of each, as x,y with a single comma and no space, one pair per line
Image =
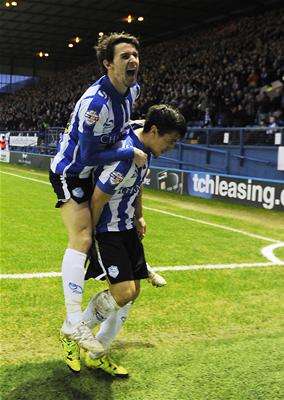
25,177
31,275
176,268
217,266
227,228
268,252
40,173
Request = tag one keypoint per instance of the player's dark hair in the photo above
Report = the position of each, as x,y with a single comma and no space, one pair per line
166,118
107,43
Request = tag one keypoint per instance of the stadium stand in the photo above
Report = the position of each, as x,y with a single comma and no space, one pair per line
230,75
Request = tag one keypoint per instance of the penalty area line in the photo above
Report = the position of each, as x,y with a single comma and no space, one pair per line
39,275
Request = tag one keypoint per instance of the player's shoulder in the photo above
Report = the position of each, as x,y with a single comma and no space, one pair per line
95,95
93,105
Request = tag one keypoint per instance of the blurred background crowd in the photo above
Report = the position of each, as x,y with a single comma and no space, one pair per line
229,75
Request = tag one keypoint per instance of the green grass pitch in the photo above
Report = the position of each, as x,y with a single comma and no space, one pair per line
208,335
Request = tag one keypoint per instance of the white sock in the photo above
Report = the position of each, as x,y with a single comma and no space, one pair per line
99,308
110,328
73,274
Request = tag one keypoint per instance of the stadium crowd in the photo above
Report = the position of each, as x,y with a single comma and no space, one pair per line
213,76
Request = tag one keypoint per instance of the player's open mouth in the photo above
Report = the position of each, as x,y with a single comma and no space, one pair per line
131,72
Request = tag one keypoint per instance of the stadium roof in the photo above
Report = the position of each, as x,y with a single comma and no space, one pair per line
49,25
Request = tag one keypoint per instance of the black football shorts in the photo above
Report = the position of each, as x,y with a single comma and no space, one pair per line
71,187
117,256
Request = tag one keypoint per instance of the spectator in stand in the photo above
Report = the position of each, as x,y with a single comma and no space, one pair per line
222,69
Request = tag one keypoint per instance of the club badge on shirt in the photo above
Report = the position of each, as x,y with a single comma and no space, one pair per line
91,117
116,177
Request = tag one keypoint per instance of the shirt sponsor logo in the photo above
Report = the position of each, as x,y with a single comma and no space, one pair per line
115,178
91,117
78,192
111,138
113,271
129,190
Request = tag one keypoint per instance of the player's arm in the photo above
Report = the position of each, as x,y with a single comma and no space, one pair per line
139,219
140,222
92,156
99,200
92,119
110,179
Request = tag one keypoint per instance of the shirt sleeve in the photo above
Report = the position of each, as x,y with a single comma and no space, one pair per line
92,116
112,177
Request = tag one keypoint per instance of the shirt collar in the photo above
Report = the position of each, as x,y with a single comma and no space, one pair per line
108,87
137,143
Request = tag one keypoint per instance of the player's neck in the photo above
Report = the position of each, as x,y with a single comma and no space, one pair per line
120,87
141,136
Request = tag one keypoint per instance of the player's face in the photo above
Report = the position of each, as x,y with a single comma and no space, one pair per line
161,144
123,69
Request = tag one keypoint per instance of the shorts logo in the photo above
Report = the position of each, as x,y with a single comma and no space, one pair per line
75,288
113,271
78,192
91,117
115,178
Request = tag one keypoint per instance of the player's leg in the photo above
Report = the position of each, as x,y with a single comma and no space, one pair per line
131,258
77,221
123,293
73,195
111,306
111,327
106,302
110,259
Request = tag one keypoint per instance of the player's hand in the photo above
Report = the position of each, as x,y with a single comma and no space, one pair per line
140,157
140,227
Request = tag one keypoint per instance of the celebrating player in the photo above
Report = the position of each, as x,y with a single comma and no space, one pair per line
116,209
100,119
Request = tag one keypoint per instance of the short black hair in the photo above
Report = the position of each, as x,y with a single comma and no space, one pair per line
107,43
166,118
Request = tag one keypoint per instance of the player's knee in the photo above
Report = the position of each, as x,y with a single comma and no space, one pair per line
126,296
82,241
87,240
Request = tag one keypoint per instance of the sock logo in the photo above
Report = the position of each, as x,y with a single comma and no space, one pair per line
99,316
113,271
75,288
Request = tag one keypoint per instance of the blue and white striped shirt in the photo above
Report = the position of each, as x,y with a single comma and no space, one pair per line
100,119
123,181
